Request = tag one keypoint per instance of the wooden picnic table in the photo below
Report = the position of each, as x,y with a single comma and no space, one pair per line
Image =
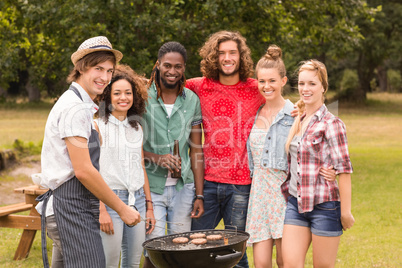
30,223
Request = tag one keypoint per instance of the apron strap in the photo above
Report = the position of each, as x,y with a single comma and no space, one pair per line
76,91
45,198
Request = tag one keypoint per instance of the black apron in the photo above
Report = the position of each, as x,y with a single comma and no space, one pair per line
76,211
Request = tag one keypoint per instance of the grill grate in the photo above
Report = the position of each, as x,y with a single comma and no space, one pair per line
165,243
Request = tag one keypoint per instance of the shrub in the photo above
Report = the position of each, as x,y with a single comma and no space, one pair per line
25,149
349,81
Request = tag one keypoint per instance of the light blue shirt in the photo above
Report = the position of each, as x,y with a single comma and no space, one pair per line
274,154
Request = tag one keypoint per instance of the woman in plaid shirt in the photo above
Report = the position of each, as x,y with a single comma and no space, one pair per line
317,209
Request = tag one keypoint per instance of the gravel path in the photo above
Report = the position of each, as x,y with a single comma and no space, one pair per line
17,176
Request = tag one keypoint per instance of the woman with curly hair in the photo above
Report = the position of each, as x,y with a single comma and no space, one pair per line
122,166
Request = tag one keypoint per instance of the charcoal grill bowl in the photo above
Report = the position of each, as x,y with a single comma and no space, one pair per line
220,256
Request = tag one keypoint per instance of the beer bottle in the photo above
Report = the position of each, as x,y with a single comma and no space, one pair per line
176,153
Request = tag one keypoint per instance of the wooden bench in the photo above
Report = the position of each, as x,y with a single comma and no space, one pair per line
8,220
29,223
11,209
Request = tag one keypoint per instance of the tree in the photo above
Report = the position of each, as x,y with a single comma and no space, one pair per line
40,35
381,44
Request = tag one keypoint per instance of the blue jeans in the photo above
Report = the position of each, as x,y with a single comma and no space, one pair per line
228,202
175,207
126,239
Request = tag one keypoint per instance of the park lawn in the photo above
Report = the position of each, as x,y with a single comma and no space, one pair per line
374,240
23,122
375,144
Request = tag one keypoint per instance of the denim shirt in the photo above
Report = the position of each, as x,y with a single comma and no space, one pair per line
274,153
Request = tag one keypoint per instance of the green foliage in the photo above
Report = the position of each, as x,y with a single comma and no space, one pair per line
27,148
382,41
349,80
40,35
348,85
37,37
13,41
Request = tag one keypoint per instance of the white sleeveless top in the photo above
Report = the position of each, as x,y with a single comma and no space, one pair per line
121,156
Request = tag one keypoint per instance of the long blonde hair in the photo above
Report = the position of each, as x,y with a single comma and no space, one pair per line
309,65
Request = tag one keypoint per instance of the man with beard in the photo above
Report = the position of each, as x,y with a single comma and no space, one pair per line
229,102
173,113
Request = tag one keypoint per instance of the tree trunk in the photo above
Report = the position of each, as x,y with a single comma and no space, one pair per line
3,92
360,94
365,72
382,78
33,91
7,157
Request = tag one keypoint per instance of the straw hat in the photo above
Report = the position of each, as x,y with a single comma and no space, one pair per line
95,44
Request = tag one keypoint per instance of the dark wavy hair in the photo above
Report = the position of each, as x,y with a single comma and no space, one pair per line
163,50
210,54
140,95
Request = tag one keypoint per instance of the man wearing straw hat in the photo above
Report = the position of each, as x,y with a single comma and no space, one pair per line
70,156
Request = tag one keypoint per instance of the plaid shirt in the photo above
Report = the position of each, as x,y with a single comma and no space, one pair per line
323,144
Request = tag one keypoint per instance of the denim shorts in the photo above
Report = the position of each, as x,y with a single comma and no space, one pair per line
323,220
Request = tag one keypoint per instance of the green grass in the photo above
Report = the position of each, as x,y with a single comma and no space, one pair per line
375,240
25,122
9,239
375,143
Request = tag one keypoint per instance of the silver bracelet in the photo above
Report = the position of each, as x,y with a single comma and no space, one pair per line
199,196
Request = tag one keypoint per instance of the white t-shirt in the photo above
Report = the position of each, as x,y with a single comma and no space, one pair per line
121,155
169,180
69,117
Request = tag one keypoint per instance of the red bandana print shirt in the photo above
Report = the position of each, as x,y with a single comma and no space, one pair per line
228,114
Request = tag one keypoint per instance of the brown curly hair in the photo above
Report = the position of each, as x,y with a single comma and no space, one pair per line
140,95
210,54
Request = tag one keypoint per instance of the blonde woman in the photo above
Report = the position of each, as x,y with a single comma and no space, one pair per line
317,209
